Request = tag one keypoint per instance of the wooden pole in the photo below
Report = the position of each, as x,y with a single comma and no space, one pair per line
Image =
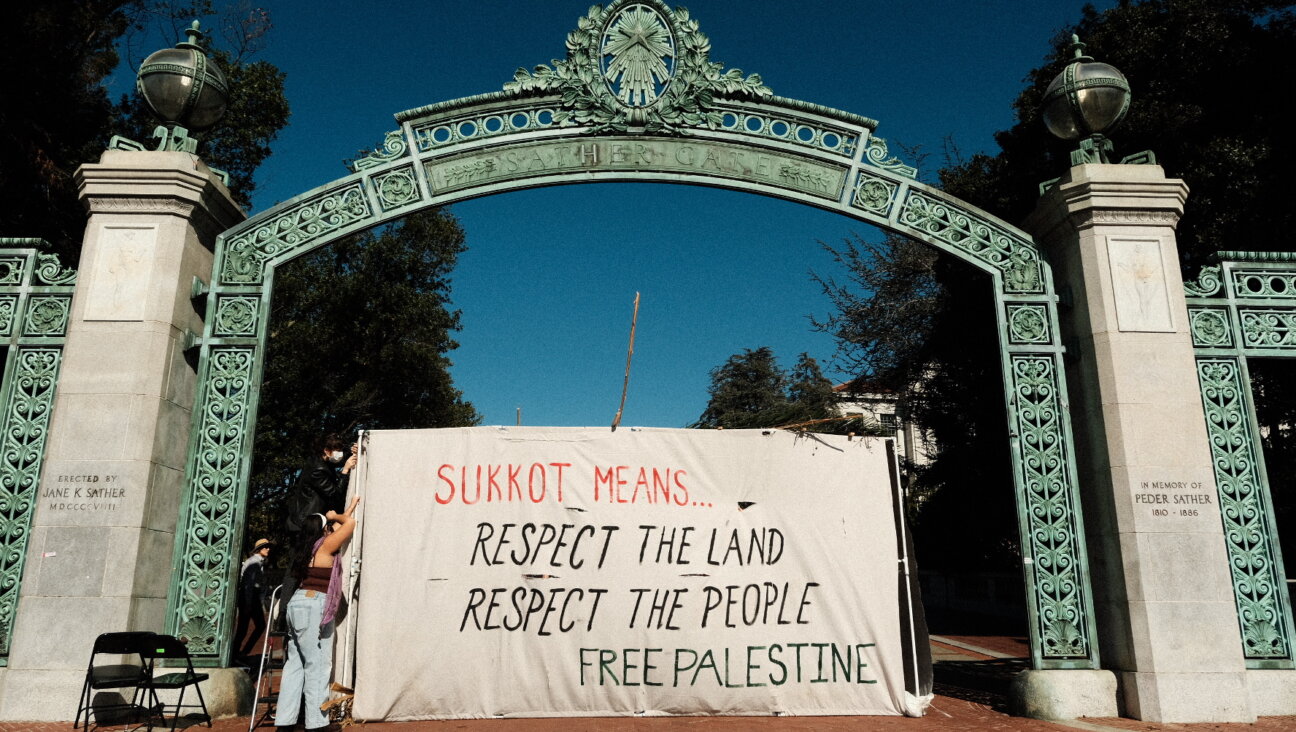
625,386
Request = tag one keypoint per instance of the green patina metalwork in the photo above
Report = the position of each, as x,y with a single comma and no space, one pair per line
1028,324
608,112
638,64
170,139
214,500
972,233
303,224
35,294
1039,437
393,147
1242,307
237,315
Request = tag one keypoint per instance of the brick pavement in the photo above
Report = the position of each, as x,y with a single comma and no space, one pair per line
945,652
1010,645
967,712
955,709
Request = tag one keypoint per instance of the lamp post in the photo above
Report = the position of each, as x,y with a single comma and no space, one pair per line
186,91
1083,101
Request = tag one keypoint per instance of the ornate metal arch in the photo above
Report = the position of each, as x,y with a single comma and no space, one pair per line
1242,307
636,99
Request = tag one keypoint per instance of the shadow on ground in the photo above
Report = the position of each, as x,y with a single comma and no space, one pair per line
980,682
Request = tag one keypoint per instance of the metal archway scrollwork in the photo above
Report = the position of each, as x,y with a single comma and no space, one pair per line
1244,307
659,111
35,301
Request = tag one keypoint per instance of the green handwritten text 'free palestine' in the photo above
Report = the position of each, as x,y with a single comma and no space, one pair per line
772,665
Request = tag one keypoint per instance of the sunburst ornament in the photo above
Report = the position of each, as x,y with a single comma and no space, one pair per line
638,55
637,64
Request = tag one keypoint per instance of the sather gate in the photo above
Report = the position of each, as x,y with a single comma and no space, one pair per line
637,98
98,392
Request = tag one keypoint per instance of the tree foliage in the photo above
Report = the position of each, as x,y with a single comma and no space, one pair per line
747,384
359,337
883,310
810,390
54,110
921,326
257,108
360,330
1201,75
56,114
750,390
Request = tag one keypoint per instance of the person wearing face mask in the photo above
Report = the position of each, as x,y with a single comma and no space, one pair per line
322,485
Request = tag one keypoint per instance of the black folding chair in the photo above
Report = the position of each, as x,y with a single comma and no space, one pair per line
170,647
116,675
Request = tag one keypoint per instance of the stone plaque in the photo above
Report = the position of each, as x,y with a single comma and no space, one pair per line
696,157
92,492
1173,501
83,492
119,285
1139,285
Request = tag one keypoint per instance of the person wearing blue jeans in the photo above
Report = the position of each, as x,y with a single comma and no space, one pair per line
309,663
310,614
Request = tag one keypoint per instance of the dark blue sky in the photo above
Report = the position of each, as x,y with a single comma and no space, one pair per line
547,285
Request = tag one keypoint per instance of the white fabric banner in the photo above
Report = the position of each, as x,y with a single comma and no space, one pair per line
536,572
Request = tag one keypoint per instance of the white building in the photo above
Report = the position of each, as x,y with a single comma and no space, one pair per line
882,406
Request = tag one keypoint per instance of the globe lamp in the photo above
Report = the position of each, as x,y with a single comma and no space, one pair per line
1085,100
184,89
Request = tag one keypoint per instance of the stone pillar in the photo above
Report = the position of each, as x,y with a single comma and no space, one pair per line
1163,595
99,558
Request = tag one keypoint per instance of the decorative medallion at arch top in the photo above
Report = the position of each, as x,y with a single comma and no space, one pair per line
638,64
637,57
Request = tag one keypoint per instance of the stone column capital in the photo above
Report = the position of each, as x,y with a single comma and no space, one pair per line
1099,194
169,183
